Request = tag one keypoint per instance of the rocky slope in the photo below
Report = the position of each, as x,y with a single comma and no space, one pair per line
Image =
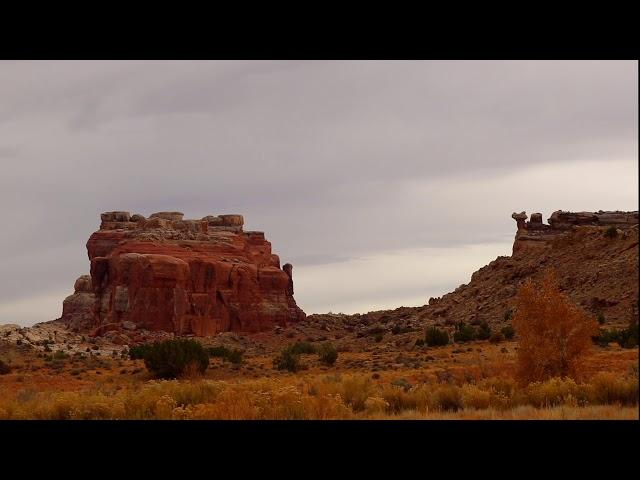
597,271
196,277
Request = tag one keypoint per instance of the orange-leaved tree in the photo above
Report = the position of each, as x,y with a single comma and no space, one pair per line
554,334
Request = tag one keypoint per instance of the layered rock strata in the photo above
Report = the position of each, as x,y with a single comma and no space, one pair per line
534,233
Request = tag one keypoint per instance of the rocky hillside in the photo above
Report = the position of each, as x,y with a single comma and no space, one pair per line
594,254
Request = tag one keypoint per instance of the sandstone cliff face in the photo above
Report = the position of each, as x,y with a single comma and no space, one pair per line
195,277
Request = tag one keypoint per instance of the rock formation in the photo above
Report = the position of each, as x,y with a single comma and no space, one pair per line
196,277
534,233
77,309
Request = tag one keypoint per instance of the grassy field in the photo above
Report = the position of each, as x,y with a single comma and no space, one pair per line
448,382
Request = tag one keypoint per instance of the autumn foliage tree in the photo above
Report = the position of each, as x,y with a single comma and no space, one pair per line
554,334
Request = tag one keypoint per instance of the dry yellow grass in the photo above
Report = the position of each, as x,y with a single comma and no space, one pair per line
351,396
475,381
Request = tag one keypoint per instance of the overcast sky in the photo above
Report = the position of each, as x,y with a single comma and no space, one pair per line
383,183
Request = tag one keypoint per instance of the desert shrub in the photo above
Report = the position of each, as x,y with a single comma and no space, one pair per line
627,338
60,355
554,335
464,333
4,368
235,356
609,388
435,337
505,386
508,314
398,398
173,358
327,353
218,351
376,405
605,337
403,383
475,397
419,342
378,337
288,360
484,331
508,332
611,232
138,352
302,347
552,392
228,354
496,337
601,319
446,397
355,390
397,329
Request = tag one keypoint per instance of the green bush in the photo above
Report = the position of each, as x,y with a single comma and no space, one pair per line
626,338
172,358
397,330
227,354
605,337
508,332
484,331
434,337
611,232
302,347
327,354
138,352
235,356
287,360
464,333
60,355
629,336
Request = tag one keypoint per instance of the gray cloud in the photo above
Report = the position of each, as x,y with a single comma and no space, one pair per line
334,160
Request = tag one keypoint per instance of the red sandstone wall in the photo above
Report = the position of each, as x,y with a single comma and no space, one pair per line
186,276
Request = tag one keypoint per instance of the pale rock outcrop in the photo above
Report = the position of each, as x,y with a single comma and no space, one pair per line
77,309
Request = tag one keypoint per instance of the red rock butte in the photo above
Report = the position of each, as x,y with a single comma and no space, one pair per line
197,277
